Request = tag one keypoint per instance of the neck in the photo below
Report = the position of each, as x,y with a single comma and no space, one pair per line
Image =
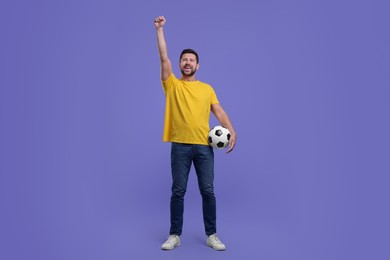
190,78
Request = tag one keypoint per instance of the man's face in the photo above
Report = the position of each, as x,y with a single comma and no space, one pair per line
188,65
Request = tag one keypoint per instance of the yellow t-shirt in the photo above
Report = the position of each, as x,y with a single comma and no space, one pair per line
187,110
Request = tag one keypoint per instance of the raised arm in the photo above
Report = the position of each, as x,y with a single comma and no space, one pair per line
166,66
223,118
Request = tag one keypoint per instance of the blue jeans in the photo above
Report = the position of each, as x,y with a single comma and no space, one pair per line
182,156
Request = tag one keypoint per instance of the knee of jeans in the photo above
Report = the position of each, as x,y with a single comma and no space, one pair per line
207,192
178,192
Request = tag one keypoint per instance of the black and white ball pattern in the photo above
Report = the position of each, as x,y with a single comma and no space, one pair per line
219,137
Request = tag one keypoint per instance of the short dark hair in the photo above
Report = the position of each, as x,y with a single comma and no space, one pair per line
190,51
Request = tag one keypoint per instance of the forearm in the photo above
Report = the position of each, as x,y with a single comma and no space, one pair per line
162,45
223,118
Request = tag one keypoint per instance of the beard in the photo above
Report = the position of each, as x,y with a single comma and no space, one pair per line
188,74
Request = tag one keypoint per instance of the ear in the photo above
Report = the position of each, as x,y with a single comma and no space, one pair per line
197,66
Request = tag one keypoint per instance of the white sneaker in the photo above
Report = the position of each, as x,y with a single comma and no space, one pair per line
214,242
172,242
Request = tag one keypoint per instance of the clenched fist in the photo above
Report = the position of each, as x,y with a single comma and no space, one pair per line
159,22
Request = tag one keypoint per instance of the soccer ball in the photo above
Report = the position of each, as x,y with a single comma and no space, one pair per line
219,137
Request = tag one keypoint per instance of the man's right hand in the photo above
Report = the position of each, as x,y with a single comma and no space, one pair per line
159,22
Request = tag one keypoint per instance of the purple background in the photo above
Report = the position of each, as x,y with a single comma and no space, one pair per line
85,175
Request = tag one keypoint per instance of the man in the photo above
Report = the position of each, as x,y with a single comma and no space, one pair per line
186,126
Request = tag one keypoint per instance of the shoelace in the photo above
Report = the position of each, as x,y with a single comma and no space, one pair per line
171,239
215,239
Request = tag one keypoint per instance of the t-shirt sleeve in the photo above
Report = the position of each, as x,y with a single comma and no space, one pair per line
168,83
214,99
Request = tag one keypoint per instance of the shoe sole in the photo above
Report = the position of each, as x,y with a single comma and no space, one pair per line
168,249
222,249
